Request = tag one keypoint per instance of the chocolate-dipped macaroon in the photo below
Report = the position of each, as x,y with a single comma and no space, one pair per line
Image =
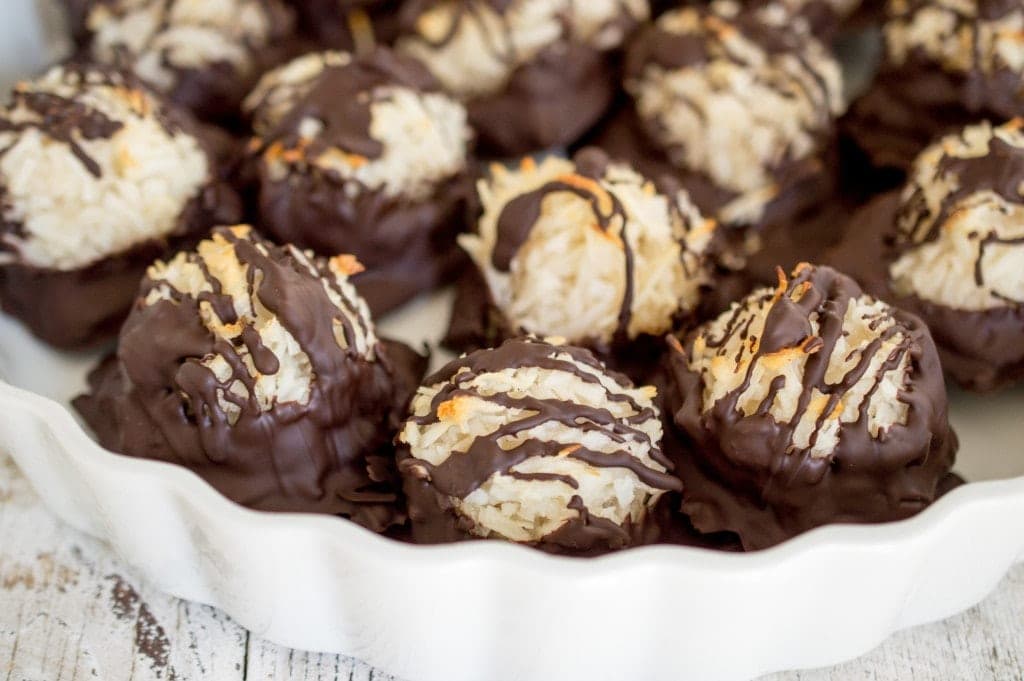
534,75
587,250
947,63
203,55
739,105
809,404
536,443
257,366
949,247
364,155
98,176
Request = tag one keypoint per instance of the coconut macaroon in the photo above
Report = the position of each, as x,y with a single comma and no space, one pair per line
947,63
536,443
949,247
365,155
739,104
534,75
808,404
587,250
98,176
203,55
258,367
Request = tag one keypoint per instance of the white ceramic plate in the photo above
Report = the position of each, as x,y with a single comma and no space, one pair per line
500,612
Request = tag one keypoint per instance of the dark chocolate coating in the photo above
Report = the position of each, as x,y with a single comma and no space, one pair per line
913,103
739,472
548,103
430,489
982,350
85,306
330,455
78,308
407,245
329,22
213,91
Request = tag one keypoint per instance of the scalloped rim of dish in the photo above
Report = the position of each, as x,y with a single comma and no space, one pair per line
917,570
202,494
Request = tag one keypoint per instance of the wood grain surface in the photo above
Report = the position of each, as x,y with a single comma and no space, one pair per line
70,610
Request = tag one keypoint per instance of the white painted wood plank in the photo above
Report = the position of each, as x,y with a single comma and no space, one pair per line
269,662
69,610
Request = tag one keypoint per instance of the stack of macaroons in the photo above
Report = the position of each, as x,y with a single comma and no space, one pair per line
533,75
258,367
587,250
363,154
98,176
808,404
739,105
204,55
619,383
947,63
534,442
949,247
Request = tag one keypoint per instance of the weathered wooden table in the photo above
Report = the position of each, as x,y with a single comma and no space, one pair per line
70,610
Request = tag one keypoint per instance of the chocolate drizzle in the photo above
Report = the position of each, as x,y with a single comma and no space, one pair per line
794,186
461,473
520,215
1000,171
341,99
671,51
327,454
68,120
742,472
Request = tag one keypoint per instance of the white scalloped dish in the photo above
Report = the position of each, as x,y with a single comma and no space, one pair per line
490,610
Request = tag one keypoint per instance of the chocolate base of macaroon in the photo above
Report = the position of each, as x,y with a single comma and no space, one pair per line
713,507
85,307
982,350
904,111
549,102
333,24
477,323
80,308
802,185
431,521
123,424
407,247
